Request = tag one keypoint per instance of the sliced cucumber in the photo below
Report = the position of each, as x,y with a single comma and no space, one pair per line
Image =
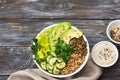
53,54
43,65
49,57
60,65
59,59
52,61
56,71
50,71
49,67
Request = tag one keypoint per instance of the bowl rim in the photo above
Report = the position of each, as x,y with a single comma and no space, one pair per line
108,29
117,54
79,69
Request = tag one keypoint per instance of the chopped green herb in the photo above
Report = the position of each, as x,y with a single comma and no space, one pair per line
63,50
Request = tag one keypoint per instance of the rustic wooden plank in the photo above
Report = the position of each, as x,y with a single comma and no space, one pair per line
13,59
3,77
67,9
21,33
111,78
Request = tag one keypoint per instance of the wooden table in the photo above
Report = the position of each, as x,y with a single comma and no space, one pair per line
20,21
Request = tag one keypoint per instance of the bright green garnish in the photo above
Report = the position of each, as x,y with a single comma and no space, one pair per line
63,50
35,47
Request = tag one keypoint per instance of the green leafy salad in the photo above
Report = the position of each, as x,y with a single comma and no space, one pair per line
51,47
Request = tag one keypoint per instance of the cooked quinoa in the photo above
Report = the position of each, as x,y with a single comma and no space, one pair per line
78,57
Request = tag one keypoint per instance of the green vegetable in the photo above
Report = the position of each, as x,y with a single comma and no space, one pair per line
35,47
55,70
63,50
52,61
50,71
60,65
41,47
43,40
49,57
59,59
53,53
49,67
69,34
43,65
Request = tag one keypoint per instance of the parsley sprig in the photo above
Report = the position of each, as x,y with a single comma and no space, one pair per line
63,50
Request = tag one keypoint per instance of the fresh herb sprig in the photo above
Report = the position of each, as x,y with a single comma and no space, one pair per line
63,50
35,47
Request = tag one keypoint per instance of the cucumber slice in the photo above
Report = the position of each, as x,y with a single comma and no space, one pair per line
59,59
52,61
49,67
49,57
60,65
53,54
56,71
43,65
50,71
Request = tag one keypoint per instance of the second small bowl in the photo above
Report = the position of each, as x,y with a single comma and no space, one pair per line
112,25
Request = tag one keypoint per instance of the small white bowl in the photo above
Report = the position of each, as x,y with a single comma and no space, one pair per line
105,54
81,66
110,26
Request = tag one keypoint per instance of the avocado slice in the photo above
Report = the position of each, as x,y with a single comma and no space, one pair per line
69,34
60,28
52,44
47,31
56,31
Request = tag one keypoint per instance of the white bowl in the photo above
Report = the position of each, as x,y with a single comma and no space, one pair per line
105,54
110,26
79,69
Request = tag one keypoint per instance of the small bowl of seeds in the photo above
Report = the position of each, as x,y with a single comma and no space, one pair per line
105,54
113,31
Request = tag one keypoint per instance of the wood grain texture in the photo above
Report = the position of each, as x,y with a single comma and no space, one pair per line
3,77
21,20
22,33
67,9
16,39
13,59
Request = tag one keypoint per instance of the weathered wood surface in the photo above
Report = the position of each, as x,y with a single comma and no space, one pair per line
67,9
14,58
16,39
22,33
20,21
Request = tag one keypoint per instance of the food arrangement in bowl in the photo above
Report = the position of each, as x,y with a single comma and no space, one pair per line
60,50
